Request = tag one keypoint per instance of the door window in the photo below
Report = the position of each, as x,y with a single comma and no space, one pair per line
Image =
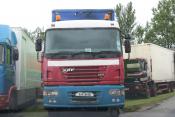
1,54
8,56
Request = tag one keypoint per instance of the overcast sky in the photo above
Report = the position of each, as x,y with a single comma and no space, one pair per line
33,13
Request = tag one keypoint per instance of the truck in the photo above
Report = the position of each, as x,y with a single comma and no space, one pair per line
82,61
149,70
19,69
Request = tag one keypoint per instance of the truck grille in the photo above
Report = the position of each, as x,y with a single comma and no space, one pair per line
83,100
90,72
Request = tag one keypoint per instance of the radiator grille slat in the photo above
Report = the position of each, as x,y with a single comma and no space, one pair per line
85,72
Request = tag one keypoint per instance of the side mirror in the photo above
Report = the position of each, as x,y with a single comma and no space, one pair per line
15,54
38,45
127,45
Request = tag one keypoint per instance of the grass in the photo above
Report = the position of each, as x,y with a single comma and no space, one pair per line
132,105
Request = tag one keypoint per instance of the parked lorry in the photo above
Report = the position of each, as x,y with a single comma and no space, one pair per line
82,62
149,70
19,69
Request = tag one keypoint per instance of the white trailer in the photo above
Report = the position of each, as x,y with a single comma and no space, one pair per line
28,70
160,63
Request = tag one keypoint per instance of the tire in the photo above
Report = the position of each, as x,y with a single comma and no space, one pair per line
13,103
147,92
154,91
171,88
114,112
168,89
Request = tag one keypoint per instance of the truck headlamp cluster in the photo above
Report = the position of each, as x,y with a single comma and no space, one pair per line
144,79
50,93
117,92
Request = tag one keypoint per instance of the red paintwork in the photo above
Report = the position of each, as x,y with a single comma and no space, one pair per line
4,103
12,89
113,74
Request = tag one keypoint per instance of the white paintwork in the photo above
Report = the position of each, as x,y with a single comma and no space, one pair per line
162,61
22,80
69,63
85,24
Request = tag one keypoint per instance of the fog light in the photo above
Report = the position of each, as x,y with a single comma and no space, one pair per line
54,101
50,101
118,100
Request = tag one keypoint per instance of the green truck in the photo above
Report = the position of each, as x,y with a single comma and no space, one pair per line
149,70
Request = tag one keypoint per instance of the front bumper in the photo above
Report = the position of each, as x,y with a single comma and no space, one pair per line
65,98
135,88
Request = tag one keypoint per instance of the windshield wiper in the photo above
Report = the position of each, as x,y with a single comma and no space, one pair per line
83,53
106,54
109,52
60,53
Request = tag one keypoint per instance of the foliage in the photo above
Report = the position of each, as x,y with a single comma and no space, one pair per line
37,33
139,34
126,18
161,29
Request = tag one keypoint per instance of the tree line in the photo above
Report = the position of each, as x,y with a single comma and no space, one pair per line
160,30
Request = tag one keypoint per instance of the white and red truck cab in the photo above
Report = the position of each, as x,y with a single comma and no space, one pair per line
82,63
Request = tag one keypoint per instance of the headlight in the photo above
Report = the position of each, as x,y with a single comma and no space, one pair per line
144,79
117,92
122,92
50,93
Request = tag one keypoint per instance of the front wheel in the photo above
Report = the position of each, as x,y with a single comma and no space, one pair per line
13,102
114,112
147,93
154,91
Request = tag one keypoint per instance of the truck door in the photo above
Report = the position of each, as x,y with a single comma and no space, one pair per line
1,69
9,69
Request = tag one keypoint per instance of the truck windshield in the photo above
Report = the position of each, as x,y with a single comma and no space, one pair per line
133,67
102,42
1,54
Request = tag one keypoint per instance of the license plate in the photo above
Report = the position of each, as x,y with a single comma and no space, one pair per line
84,94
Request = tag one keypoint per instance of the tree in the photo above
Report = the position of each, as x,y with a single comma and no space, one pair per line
150,36
161,30
29,33
126,18
139,34
37,33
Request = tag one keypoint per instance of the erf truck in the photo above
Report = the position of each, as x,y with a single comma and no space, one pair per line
150,70
82,62
19,69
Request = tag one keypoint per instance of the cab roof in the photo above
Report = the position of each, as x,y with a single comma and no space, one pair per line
7,35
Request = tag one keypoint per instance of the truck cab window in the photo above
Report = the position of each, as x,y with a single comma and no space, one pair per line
145,66
1,54
8,56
